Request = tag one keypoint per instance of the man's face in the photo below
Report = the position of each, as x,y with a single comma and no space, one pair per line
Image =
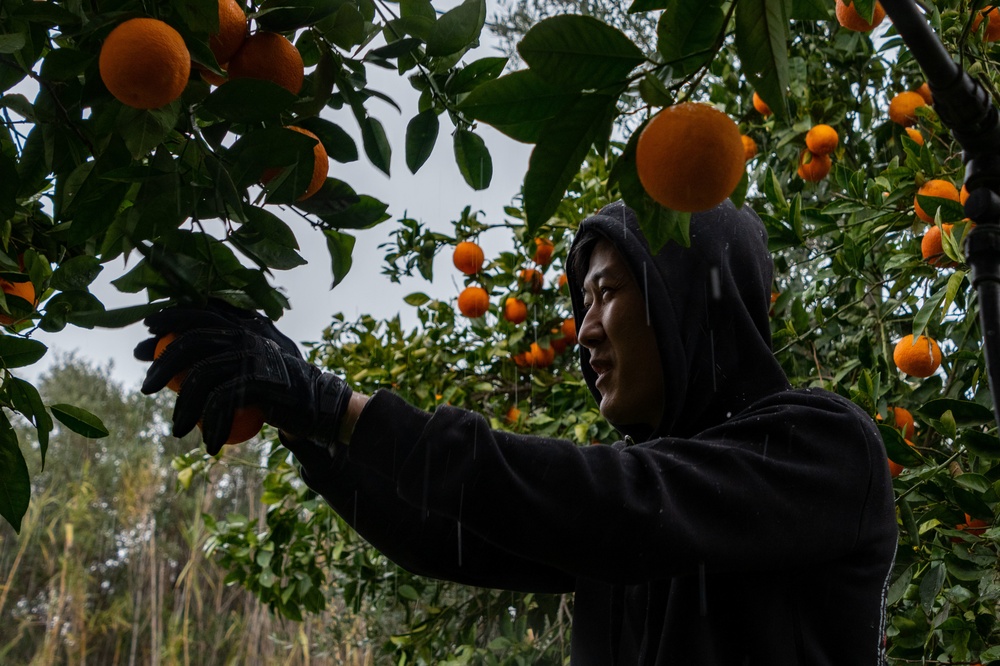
622,343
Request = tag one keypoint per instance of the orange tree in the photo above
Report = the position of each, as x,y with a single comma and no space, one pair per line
89,181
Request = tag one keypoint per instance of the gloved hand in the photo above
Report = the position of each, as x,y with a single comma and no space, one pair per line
235,358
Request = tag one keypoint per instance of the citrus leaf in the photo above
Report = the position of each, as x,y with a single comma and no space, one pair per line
687,32
473,159
376,144
421,135
338,143
457,28
416,299
248,100
761,43
518,97
340,246
79,420
289,15
812,10
950,211
475,74
558,154
646,6
15,481
579,52
966,413
897,449
26,400
117,318
18,352
981,444
76,273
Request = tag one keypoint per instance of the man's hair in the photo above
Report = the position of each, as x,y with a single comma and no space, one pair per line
584,246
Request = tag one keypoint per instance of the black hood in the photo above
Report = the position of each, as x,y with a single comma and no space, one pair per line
709,305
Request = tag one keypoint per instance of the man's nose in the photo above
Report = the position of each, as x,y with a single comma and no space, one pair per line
591,330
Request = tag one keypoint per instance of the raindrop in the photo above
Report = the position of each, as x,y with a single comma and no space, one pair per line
766,438
645,289
729,415
716,281
702,592
461,497
711,348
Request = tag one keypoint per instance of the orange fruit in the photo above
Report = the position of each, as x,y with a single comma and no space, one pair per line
144,63
903,419
992,15
896,469
849,18
963,195
531,278
902,108
232,31
212,78
247,420
932,249
271,57
775,295
473,302
749,147
568,329
690,157
468,257
23,290
813,167
925,91
915,135
175,382
921,358
541,357
514,310
934,188
513,414
321,166
563,279
822,139
761,106
543,251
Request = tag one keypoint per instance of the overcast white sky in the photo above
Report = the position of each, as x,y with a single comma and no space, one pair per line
435,196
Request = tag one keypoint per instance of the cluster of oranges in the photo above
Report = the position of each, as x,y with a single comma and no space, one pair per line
474,300
145,63
814,160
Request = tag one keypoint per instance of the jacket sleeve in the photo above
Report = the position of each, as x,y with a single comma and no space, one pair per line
794,478
417,539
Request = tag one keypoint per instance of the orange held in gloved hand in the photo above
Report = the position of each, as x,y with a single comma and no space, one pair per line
235,360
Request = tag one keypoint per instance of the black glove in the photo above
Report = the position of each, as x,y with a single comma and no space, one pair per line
235,358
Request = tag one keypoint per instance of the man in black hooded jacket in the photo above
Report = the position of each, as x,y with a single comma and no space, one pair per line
739,521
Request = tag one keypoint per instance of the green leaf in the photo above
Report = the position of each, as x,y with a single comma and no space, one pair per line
965,413
930,586
647,5
421,135
476,73
457,28
117,318
981,444
11,42
661,225
79,420
18,352
930,310
687,32
289,15
339,144
76,273
248,100
579,52
26,400
557,156
518,97
15,481
473,159
376,144
949,210
897,449
144,130
408,592
812,10
416,299
762,46
340,246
